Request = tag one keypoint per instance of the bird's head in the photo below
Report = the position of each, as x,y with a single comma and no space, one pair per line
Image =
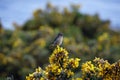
60,34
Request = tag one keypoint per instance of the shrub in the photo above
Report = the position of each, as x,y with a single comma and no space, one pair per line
62,67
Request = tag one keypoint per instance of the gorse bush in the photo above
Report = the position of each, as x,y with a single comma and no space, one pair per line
62,67
100,69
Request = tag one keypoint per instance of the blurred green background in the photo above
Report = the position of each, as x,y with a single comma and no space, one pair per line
85,36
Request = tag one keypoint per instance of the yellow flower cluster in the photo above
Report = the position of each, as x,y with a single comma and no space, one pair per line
103,37
38,74
88,67
74,62
102,66
101,69
60,67
59,56
103,41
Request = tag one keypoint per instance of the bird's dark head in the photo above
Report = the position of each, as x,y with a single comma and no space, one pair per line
60,34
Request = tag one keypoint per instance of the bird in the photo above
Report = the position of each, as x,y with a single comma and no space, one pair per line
58,40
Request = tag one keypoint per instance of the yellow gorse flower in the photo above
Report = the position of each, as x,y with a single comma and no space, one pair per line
74,62
54,69
101,69
58,54
103,37
88,67
69,73
38,69
60,67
